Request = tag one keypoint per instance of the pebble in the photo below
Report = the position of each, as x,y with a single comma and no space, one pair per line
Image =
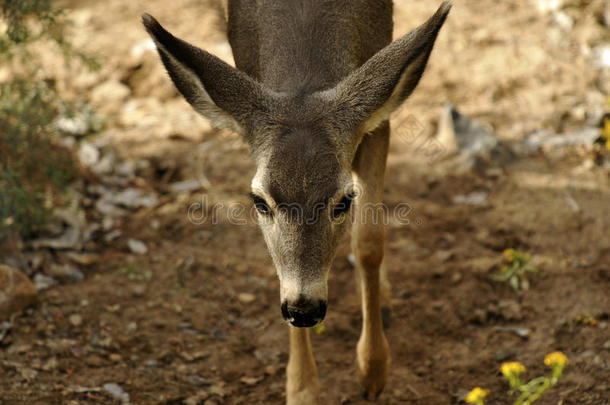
115,357
67,272
117,392
476,198
246,298
88,154
505,354
76,320
43,282
137,246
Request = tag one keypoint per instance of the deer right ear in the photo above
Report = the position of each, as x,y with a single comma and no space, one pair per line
368,96
227,97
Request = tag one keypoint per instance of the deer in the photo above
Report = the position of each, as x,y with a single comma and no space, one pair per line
311,95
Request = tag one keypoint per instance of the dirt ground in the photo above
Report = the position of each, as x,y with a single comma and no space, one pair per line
197,319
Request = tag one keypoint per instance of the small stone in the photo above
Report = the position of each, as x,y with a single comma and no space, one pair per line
246,298
139,290
460,133
50,364
137,246
251,380
271,370
607,345
504,354
185,186
443,255
133,198
115,357
84,259
197,399
117,392
151,363
76,320
17,292
5,327
67,272
476,198
88,154
43,282
112,235
521,332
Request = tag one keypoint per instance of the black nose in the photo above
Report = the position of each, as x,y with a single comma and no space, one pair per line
304,313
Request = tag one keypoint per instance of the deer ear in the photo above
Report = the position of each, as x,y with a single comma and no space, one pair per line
226,96
367,96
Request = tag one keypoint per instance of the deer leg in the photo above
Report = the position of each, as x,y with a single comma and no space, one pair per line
302,385
368,240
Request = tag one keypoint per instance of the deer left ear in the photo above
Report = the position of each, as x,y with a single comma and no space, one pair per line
369,95
224,95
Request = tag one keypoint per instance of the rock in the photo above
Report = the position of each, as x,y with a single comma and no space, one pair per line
521,332
17,292
66,273
460,133
5,328
548,140
88,154
117,392
108,97
75,126
42,282
84,259
133,198
504,354
115,357
185,186
601,56
107,208
468,145
105,165
476,198
251,380
246,298
137,246
70,239
549,6
76,320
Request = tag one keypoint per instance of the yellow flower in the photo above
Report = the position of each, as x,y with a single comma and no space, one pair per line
477,394
513,368
556,359
509,255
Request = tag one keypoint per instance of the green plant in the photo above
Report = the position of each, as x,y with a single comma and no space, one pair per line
34,168
515,269
531,391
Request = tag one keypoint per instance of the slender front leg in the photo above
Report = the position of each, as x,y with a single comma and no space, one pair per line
368,240
302,385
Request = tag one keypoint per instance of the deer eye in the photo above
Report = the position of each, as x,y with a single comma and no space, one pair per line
344,205
260,204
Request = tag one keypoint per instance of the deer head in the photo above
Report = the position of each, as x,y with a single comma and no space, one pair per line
303,146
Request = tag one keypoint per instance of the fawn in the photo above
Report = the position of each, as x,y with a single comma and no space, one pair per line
314,87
